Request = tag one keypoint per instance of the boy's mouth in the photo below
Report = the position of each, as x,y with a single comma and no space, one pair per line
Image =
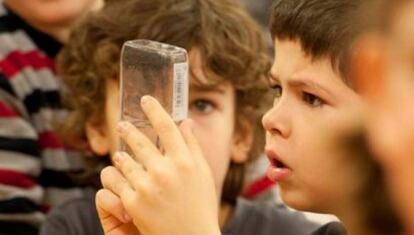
278,170
277,163
275,159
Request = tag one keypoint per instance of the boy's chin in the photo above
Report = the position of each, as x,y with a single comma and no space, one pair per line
299,201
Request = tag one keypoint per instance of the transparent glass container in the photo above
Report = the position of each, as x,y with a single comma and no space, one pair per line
156,69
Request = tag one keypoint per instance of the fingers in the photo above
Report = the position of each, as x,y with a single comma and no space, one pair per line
130,169
114,181
110,210
195,150
142,148
186,129
167,130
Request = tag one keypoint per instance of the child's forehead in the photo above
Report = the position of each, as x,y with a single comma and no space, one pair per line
313,71
290,58
219,87
202,78
317,76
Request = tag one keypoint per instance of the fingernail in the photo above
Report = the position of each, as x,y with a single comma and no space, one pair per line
121,127
119,157
127,218
145,99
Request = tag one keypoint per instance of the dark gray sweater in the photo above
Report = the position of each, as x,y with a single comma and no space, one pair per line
79,217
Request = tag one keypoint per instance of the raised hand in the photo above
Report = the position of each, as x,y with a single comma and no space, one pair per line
164,193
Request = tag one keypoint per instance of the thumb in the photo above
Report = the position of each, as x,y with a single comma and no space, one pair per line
111,212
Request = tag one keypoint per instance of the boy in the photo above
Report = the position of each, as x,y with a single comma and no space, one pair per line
384,74
313,95
34,165
310,79
228,64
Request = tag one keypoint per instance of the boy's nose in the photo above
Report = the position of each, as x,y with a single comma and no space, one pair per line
276,122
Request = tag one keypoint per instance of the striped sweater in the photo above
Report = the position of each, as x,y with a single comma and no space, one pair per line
34,165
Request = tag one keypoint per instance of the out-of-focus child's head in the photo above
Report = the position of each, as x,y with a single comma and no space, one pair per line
57,14
383,71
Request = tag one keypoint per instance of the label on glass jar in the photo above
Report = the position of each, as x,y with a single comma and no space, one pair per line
180,94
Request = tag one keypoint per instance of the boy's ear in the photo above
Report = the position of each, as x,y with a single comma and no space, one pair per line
242,141
368,66
98,138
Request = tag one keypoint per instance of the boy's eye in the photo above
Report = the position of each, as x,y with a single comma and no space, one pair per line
277,90
313,100
202,106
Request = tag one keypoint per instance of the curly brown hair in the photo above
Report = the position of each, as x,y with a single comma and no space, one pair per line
231,45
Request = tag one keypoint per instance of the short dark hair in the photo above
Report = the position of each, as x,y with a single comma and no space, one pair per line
322,27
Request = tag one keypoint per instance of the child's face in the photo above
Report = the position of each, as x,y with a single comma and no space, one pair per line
310,99
386,76
213,113
398,140
53,12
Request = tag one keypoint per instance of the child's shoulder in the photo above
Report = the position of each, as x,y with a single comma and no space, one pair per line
76,216
333,228
267,217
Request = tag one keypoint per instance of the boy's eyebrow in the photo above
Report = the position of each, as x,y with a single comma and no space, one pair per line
217,89
301,83
310,84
